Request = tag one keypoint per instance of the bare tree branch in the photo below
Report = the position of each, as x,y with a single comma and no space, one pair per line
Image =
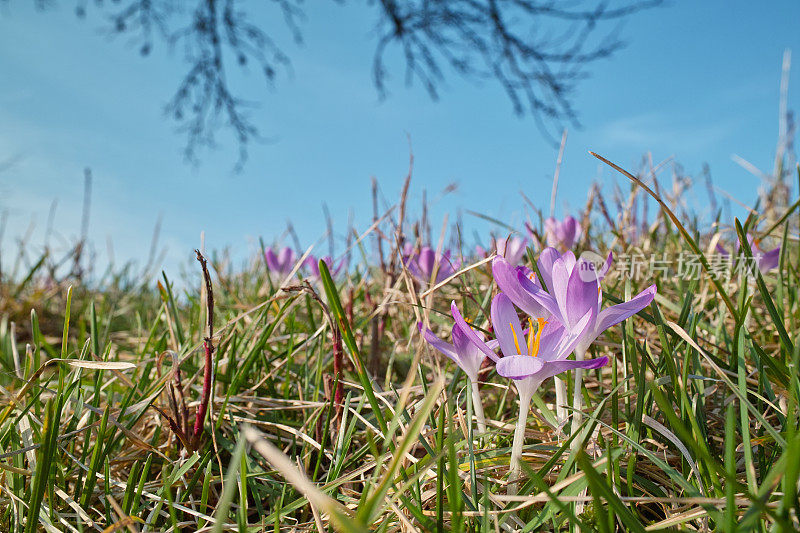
537,50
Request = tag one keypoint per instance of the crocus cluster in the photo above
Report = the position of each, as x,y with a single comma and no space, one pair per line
564,315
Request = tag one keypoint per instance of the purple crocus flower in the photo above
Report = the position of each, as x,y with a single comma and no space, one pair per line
765,261
575,290
335,268
562,234
529,361
422,264
466,354
281,263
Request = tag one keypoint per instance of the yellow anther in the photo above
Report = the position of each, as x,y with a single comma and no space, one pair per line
534,337
516,341
531,338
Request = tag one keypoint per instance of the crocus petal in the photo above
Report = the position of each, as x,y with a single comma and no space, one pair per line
425,260
569,231
559,286
582,290
470,333
528,273
335,268
272,260
544,299
545,262
569,260
312,264
519,248
507,327
471,356
617,313
466,362
553,368
550,230
721,250
506,276
286,259
606,268
551,336
447,267
519,366
513,249
580,335
460,341
341,267
770,260
413,268
444,347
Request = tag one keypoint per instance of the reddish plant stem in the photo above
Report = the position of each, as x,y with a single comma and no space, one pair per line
208,347
203,408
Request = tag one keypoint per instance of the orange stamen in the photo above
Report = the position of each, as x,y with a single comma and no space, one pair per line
531,338
516,341
535,337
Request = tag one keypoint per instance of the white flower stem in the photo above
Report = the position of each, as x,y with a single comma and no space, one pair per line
478,406
515,466
561,401
577,397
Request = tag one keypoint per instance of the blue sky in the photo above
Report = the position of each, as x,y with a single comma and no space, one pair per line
698,81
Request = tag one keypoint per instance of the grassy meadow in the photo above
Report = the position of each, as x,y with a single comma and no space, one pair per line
321,407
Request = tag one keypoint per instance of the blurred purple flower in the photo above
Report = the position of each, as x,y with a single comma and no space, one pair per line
766,261
422,264
282,262
512,248
562,234
312,264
